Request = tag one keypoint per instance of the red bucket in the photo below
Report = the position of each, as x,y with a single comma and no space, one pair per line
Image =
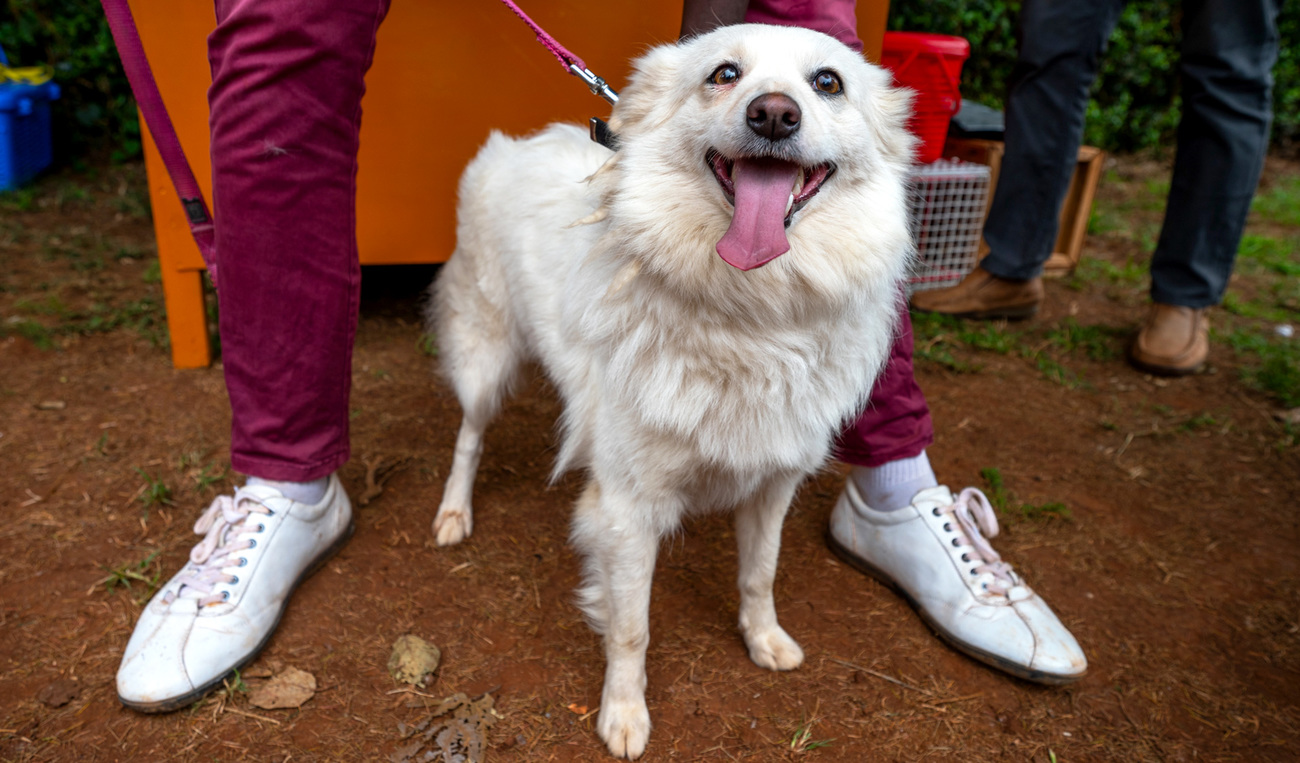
929,64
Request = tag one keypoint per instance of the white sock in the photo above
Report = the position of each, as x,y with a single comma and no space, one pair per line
310,493
891,486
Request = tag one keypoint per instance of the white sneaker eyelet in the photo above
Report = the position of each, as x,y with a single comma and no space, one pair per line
233,581
243,561
965,557
261,527
935,511
947,527
225,595
955,544
252,542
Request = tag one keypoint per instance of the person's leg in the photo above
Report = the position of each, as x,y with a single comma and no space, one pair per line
1228,51
886,444
894,522
288,77
286,110
1060,48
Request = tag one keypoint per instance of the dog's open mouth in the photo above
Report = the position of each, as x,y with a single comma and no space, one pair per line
765,193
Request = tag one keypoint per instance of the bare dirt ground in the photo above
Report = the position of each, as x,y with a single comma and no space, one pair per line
1157,517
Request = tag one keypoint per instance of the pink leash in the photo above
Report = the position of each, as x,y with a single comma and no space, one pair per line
571,63
127,39
138,73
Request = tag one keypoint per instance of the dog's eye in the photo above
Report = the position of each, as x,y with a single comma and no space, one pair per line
827,82
727,74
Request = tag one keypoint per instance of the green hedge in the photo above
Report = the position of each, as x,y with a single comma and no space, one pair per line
96,113
1135,99
1134,103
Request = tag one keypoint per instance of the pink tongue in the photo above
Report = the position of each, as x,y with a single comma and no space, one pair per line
757,232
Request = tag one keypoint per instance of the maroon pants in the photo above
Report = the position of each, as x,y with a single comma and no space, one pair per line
287,82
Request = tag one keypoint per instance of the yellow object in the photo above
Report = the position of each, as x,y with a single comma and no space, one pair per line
26,75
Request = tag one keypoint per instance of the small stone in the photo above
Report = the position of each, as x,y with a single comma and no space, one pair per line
59,693
289,689
413,660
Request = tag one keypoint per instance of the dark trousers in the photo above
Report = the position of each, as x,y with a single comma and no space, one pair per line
1228,51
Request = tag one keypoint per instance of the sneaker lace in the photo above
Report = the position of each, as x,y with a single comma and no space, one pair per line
223,526
977,522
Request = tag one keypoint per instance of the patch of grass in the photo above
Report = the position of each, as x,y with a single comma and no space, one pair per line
205,479
994,489
70,194
1097,342
802,740
1281,203
152,272
1199,422
1273,364
18,200
1156,194
50,306
1005,504
1092,270
156,492
1055,372
234,685
144,315
34,332
1103,220
1257,309
934,334
147,572
1271,254
427,344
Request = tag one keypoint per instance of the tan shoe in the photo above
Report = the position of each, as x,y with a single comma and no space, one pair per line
983,295
1174,341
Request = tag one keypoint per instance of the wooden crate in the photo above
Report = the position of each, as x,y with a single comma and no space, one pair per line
1075,210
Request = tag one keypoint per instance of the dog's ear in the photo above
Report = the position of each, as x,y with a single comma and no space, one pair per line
890,109
649,90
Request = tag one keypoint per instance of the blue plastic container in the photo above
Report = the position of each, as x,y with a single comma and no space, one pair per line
25,145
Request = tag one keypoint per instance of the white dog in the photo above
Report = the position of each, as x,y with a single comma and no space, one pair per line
713,301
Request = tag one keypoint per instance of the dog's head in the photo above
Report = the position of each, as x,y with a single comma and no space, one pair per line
751,133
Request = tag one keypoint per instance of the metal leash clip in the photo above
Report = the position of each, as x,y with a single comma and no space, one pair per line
596,85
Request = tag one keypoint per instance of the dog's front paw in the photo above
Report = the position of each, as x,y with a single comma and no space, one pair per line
625,727
452,525
773,649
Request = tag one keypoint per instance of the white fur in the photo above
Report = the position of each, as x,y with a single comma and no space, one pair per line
688,385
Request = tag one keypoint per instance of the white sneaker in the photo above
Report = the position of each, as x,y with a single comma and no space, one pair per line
935,553
218,612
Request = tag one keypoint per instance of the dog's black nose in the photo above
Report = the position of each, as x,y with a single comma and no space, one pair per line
774,116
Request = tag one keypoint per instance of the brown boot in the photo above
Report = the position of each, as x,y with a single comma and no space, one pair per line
1174,341
983,295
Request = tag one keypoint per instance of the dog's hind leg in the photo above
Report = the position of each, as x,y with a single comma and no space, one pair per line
619,546
758,538
481,355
